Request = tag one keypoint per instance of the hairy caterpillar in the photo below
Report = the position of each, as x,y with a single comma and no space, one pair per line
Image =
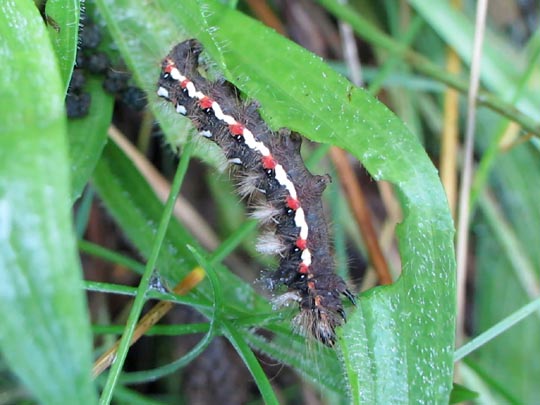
269,163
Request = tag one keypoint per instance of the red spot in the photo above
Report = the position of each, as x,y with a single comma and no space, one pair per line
169,67
206,102
311,285
236,129
184,83
293,203
301,243
268,162
303,269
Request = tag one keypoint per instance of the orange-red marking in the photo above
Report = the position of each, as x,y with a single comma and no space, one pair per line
292,203
268,162
301,243
169,67
236,129
206,102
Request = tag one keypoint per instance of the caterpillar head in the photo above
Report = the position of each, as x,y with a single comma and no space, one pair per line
318,322
320,316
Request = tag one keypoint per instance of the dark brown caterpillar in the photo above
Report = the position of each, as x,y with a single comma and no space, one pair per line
269,163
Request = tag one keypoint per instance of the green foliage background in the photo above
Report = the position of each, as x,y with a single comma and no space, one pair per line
398,344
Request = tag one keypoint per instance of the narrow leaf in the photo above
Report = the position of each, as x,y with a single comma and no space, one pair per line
62,18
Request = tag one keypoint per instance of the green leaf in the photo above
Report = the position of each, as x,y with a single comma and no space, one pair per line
87,136
62,17
45,336
402,335
461,394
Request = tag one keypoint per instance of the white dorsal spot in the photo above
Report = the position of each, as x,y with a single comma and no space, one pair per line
190,87
218,112
180,109
306,257
163,92
176,75
228,119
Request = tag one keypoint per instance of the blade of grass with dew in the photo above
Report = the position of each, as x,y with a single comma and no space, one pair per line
499,281
501,278
109,288
45,336
156,330
497,329
234,336
215,324
144,284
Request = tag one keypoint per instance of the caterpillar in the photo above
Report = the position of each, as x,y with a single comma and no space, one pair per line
268,164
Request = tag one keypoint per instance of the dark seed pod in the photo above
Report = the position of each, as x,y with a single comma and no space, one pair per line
90,36
77,105
134,98
77,81
98,63
115,81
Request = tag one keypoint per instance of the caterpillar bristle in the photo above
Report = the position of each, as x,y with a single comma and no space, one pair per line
247,184
285,299
270,244
265,214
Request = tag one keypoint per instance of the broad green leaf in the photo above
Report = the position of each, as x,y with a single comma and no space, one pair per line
402,335
62,18
45,336
87,136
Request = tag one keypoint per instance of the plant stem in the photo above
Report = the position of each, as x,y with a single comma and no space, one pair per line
140,298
